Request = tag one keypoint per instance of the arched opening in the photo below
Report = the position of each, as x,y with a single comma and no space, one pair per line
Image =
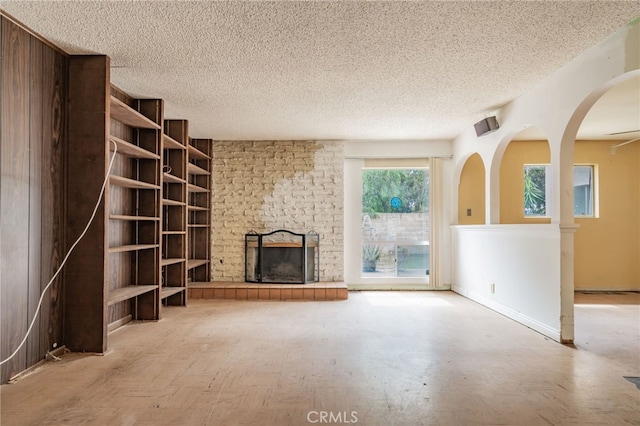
471,192
525,188
607,211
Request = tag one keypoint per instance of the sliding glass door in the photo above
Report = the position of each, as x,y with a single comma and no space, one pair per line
395,222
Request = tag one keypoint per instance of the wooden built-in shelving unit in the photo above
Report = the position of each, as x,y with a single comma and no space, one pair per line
135,205
199,209
174,208
151,232
114,275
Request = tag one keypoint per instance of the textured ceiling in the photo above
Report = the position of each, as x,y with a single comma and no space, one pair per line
327,70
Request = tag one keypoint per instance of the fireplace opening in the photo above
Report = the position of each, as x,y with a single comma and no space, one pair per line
282,257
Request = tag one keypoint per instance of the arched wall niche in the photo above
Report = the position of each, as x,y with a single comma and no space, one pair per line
471,192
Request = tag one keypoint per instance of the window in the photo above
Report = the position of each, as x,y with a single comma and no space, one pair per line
537,190
583,191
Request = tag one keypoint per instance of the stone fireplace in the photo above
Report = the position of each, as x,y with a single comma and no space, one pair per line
269,185
282,257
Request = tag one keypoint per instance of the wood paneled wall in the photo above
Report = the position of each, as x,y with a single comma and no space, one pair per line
32,140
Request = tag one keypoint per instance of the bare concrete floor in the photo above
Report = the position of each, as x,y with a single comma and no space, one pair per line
379,358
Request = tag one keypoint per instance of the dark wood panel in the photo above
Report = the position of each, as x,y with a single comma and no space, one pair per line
14,192
33,114
53,97
50,180
36,134
120,312
54,195
85,325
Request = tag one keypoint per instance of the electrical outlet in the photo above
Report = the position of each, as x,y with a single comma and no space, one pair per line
468,212
493,288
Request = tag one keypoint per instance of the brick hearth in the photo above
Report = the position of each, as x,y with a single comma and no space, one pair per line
322,291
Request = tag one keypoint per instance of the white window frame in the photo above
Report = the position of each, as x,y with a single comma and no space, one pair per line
548,186
595,202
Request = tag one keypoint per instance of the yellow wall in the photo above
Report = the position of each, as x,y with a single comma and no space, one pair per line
471,192
517,154
607,248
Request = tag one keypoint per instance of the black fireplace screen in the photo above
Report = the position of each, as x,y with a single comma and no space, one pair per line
282,257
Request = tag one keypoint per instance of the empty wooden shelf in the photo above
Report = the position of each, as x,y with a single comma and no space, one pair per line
171,261
131,183
124,293
131,150
129,116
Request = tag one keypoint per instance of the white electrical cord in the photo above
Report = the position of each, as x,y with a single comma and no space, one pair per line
93,215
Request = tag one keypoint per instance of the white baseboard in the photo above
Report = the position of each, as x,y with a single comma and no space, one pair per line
526,320
396,287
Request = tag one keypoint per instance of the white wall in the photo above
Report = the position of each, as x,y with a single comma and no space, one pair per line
557,105
397,149
523,264
355,153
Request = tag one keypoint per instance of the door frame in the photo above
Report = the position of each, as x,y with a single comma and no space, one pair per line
353,236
